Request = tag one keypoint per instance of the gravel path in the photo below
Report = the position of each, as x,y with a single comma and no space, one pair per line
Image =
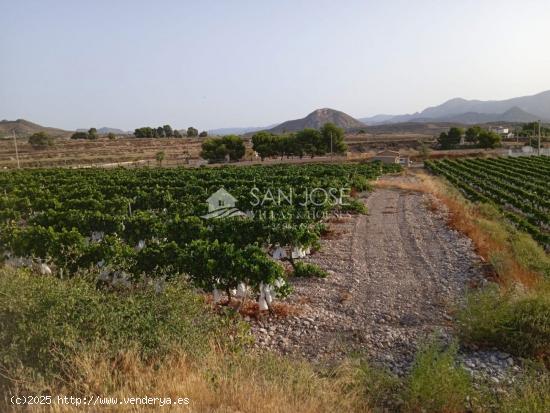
395,276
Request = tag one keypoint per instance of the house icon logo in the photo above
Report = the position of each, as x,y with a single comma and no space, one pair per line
221,204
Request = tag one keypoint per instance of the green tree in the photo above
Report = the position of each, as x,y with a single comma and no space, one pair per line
331,132
488,139
203,134
145,132
168,132
40,140
160,132
176,133
451,139
111,136
311,142
216,149
79,135
192,132
264,144
472,134
92,133
159,156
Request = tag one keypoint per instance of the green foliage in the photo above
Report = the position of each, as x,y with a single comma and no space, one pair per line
40,140
306,269
177,133
472,134
192,132
217,149
203,134
451,139
518,323
80,135
145,132
331,132
436,383
44,320
309,142
168,132
111,136
159,156
488,139
92,133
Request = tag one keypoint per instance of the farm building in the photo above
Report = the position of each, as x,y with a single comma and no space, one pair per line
388,156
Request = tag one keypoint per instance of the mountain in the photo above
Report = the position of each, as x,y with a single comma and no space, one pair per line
23,127
106,130
520,109
318,118
237,130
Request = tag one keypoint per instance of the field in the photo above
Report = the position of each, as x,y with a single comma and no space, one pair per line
520,187
133,223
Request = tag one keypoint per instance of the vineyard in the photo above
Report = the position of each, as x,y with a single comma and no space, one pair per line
149,224
519,187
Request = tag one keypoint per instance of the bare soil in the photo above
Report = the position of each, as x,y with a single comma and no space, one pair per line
395,277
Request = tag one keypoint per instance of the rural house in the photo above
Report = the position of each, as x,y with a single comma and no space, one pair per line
388,156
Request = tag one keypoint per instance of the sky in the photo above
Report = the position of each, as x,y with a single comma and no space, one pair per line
126,64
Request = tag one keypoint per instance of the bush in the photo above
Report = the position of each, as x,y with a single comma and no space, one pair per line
306,269
45,320
518,323
40,140
436,383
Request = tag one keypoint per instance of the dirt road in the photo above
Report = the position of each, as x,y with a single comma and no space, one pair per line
395,276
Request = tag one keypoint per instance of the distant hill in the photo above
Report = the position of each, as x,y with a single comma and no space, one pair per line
317,119
23,127
237,130
105,130
520,109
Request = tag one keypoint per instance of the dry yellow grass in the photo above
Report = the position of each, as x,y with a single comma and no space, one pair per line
219,384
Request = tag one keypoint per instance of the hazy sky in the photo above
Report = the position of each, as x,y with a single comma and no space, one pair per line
126,64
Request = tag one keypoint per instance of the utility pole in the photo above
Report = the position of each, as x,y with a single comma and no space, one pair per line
16,151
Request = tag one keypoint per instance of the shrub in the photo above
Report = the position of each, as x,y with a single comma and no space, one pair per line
515,322
40,140
306,269
436,383
46,320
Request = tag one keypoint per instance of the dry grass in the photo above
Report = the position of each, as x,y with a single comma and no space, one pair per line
219,384
490,237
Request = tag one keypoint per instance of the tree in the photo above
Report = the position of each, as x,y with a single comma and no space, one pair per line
203,134
216,149
472,134
160,132
263,144
92,133
111,136
488,139
451,139
79,135
455,135
311,142
159,156
176,133
331,132
145,132
192,132
40,140
168,132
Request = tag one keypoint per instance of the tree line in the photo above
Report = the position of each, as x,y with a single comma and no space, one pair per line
307,142
166,131
475,135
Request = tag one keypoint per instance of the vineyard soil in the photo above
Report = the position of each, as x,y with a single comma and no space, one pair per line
395,277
